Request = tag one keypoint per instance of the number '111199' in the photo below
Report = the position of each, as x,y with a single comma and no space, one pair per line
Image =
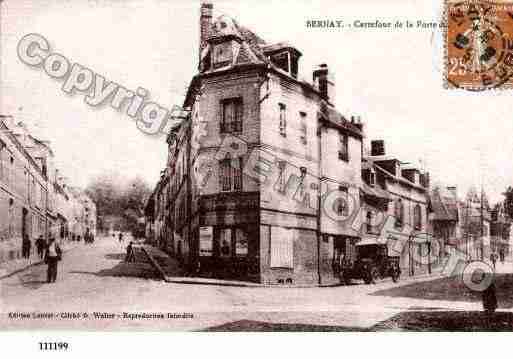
53,346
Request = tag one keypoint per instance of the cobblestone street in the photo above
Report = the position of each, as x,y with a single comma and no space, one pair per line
95,279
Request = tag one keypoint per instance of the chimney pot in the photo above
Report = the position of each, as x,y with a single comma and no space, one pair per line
324,81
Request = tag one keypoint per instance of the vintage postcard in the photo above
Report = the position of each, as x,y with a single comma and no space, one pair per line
237,166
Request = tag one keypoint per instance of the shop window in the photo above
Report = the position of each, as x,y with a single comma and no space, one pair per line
206,241
282,243
225,242
241,242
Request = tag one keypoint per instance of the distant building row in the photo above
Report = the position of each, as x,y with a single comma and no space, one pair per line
35,198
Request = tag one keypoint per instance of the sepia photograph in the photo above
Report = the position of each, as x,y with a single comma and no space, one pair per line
274,166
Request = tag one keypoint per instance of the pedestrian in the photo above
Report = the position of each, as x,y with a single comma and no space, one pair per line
120,237
53,256
493,258
130,257
40,245
25,246
489,297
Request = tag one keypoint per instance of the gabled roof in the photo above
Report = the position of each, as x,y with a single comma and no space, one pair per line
445,207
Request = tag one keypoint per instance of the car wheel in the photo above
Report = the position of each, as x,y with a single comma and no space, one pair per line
395,276
374,274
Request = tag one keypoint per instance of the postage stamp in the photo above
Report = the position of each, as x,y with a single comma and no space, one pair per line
479,45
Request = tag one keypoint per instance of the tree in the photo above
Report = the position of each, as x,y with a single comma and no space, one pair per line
121,202
508,202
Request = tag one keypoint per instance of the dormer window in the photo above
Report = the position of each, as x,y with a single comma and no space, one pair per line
286,61
223,54
284,57
281,61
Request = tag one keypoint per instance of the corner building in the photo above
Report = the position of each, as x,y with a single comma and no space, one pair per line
258,170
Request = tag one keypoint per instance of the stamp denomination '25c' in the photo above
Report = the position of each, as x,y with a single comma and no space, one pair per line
479,45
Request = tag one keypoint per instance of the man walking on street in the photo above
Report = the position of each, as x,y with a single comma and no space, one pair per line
130,257
25,246
53,256
40,245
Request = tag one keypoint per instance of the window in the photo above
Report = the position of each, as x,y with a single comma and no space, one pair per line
282,181
282,248
2,159
237,174
340,206
302,128
281,61
369,222
283,120
399,213
417,217
11,179
10,219
231,119
343,151
230,174
223,55
206,246
372,178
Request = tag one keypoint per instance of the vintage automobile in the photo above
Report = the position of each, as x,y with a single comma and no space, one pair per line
371,262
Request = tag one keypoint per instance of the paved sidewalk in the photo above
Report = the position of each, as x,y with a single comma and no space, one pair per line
12,267
171,272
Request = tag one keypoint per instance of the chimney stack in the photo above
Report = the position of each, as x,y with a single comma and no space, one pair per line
357,121
205,23
377,148
324,81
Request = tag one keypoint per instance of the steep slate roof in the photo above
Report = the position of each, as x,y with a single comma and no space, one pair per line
445,208
251,45
334,118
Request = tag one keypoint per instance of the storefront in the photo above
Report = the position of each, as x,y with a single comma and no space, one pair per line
226,238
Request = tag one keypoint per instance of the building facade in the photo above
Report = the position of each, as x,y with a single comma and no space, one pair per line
33,201
265,179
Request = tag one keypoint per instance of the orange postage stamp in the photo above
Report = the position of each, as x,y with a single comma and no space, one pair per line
479,44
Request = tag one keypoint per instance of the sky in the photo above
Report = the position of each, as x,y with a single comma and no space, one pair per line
391,78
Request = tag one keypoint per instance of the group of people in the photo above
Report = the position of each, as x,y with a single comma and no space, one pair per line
49,251
494,256
27,246
89,238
